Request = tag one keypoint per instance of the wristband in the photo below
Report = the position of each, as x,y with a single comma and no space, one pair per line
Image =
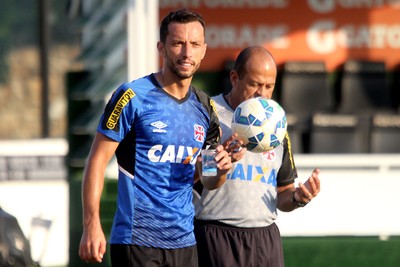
297,203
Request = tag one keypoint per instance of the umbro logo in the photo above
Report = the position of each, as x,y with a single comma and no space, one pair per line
159,125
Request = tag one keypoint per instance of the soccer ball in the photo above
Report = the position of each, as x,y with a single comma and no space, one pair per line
260,123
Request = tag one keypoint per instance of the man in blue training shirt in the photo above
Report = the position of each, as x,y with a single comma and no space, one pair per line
156,126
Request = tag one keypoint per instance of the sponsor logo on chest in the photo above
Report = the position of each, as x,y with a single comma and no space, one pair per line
173,154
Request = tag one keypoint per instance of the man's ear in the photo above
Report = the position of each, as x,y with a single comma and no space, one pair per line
234,76
160,48
204,53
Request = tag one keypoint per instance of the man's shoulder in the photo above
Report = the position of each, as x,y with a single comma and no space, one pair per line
219,101
199,92
217,98
201,96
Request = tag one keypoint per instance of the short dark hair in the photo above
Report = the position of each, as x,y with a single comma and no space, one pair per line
180,16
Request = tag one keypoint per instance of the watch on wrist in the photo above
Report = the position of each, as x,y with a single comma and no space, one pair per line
297,203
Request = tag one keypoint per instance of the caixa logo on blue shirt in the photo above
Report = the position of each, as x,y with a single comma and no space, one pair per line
173,154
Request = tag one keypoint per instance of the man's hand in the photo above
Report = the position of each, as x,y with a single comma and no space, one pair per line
310,189
235,148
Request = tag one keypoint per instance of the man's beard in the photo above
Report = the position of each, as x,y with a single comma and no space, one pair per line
174,68
182,75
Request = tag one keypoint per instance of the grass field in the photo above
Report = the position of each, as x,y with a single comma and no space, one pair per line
341,251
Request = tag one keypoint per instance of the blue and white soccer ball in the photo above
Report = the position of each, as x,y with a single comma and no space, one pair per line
260,123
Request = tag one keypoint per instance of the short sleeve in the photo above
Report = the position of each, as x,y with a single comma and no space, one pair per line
287,172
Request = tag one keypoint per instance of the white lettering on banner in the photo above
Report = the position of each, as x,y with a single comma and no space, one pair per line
326,6
224,3
322,37
230,36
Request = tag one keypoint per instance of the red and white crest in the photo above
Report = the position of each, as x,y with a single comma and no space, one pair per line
199,133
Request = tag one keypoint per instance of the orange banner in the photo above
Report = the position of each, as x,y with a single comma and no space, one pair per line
328,30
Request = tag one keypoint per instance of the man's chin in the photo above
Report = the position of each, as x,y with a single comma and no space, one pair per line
185,75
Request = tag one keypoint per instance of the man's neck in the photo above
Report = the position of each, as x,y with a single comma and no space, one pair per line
176,88
230,99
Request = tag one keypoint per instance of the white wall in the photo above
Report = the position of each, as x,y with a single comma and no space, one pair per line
359,196
42,197
46,200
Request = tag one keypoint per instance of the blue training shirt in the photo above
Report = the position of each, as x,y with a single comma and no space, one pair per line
160,138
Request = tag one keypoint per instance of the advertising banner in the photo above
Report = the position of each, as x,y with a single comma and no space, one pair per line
328,30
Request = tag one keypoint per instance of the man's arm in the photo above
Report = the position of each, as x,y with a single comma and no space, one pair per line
93,242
